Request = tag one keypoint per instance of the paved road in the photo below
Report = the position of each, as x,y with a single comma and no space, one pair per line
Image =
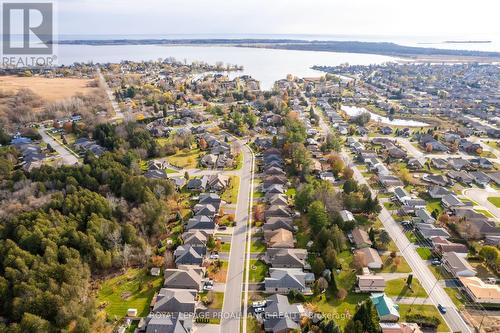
481,195
109,92
67,157
418,266
232,307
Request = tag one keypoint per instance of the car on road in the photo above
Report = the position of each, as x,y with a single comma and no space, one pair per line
441,309
436,262
208,285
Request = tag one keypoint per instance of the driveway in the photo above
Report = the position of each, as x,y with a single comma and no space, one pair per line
67,157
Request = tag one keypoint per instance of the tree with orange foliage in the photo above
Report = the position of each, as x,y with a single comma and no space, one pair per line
157,261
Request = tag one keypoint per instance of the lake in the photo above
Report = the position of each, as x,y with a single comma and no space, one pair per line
353,111
265,65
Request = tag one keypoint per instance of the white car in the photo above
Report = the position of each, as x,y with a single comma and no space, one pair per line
259,304
258,310
214,256
208,287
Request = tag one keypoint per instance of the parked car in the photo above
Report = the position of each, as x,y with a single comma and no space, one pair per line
214,256
441,309
259,304
258,310
222,227
436,262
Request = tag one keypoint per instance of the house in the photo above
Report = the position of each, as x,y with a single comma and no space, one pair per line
274,171
197,239
197,184
277,211
201,222
156,174
442,245
210,198
371,258
278,200
480,178
439,163
386,309
386,130
416,163
187,255
283,280
458,163
346,216
401,195
461,176
361,238
281,238
205,210
217,182
423,216
396,153
370,283
327,176
482,163
184,277
390,182
178,181
280,316
439,180
167,323
480,292
286,258
428,142
400,328
449,201
438,192
428,231
274,223
457,265
174,300
273,189
495,177
274,179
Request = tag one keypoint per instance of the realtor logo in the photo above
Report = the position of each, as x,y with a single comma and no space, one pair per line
27,28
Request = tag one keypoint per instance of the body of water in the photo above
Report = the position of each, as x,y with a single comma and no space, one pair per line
353,111
265,65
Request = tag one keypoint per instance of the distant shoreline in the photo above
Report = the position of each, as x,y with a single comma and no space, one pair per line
380,48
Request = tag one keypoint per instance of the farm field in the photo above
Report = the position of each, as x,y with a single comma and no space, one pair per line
49,89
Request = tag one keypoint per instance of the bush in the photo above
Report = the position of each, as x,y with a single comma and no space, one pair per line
423,321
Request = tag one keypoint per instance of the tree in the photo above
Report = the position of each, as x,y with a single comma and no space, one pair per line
350,185
318,266
304,197
490,254
210,243
367,315
384,237
330,257
336,163
371,235
186,175
318,217
347,173
322,284
354,326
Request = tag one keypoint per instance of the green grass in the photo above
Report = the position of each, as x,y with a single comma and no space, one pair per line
185,160
170,171
426,310
424,253
411,236
434,204
257,247
398,287
132,327
238,162
291,192
485,212
253,325
341,310
218,300
230,194
390,266
438,272
226,247
455,296
133,289
258,270
390,205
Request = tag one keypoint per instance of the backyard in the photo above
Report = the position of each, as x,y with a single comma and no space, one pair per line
133,289
185,159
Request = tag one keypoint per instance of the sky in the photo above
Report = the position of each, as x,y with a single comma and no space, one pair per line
477,18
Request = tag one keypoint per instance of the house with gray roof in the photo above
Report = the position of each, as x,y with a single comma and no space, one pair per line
275,223
184,277
283,280
280,316
174,300
438,192
286,258
457,265
200,222
187,255
179,323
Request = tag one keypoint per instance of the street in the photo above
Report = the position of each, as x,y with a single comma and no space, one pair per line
232,307
66,156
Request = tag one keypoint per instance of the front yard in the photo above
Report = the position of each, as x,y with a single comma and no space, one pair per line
426,310
258,270
230,194
424,253
398,288
395,265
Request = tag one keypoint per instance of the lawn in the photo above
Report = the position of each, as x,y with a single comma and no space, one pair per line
391,267
455,296
426,310
411,236
390,205
226,247
485,212
218,299
398,287
133,289
257,247
340,310
185,160
434,204
253,325
424,253
230,194
258,270
438,272
218,274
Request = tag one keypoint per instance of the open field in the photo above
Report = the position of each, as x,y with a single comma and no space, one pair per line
49,89
133,289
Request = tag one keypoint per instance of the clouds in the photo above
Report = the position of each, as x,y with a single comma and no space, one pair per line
373,17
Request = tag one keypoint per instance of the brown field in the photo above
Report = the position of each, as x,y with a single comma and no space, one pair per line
49,89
